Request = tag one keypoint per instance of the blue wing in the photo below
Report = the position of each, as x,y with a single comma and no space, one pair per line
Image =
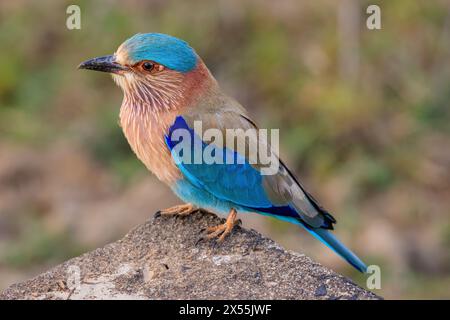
232,179
236,181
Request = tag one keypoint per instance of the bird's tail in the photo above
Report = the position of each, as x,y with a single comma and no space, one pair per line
337,246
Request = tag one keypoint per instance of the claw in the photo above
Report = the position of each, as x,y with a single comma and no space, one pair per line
201,239
180,210
222,230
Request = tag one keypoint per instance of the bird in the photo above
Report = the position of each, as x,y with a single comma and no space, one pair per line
168,87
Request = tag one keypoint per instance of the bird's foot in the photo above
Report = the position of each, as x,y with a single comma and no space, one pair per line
180,210
222,230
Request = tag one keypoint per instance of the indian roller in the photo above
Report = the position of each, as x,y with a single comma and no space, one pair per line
166,87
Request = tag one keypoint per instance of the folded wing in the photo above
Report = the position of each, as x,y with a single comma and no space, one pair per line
235,178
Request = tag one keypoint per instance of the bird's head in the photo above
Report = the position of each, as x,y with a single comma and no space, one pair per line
154,70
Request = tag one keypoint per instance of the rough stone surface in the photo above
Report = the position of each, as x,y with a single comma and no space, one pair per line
161,260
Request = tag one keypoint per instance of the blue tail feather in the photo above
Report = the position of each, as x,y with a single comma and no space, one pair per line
326,237
337,246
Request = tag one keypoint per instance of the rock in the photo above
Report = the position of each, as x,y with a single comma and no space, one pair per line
321,290
161,259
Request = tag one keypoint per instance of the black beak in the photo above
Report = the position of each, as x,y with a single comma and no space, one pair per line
104,64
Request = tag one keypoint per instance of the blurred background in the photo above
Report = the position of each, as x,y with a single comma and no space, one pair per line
363,117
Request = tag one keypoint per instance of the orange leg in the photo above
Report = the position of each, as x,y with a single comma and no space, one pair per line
180,210
225,229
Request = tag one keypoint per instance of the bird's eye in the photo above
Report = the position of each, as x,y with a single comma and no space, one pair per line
147,66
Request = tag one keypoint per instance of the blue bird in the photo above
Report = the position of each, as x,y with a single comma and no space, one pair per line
168,93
